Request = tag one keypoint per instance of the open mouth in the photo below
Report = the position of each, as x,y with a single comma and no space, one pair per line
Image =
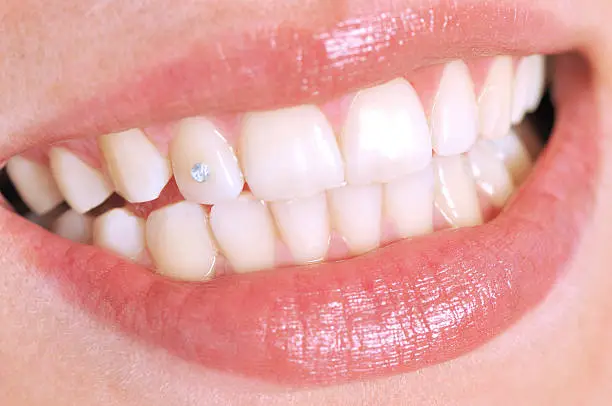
337,236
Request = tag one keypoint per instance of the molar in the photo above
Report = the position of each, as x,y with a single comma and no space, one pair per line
74,226
121,232
198,142
83,187
245,232
455,192
454,116
512,151
356,213
137,169
35,184
290,153
385,135
179,242
304,227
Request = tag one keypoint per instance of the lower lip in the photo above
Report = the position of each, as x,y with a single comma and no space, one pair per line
401,308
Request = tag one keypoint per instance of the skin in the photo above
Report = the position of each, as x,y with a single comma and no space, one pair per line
55,354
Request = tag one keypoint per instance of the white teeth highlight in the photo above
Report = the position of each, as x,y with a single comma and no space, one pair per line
385,135
356,214
495,102
245,232
304,227
409,203
83,187
179,241
198,141
491,173
454,117
455,192
513,152
537,85
74,226
121,232
290,153
137,169
35,184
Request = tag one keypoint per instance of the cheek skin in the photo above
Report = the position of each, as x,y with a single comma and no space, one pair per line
54,354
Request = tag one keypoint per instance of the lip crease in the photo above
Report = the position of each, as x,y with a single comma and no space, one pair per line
400,308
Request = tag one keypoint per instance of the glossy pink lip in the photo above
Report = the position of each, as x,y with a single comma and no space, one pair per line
401,308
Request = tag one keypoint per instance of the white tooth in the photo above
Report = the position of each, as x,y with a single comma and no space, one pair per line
179,241
83,187
385,135
74,226
304,226
454,117
409,203
495,102
199,142
537,81
245,232
35,184
455,192
290,153
491,173
522,83
137,169
356,214
513,152
121,232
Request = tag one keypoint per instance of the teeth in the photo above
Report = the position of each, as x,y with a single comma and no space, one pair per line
290,153
454,117
490,173
35,184
356,214
83,187
513,152
495,103
304,227
245,232
137,169
538,81
74,227
386,134
198,141
121,232
455,192
180,243
409,203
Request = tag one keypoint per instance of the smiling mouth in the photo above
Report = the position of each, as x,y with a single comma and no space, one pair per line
326,232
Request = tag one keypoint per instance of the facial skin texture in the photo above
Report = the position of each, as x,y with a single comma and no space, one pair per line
55,354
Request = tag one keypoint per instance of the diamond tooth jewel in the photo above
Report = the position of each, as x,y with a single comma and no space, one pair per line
200,172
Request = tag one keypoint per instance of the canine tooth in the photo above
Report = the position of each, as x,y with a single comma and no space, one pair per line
455,192
245,232
74,226
179,241
537,81
34,183
409,203
356,214
83,187
290,153
522,83
385,135
199,142
491,173
121,232
454,117
304,226
495,102
137,169
513,152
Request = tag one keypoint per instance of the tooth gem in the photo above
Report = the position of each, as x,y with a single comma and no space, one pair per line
200,172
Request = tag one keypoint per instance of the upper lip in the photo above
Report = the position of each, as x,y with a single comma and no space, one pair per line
403,307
